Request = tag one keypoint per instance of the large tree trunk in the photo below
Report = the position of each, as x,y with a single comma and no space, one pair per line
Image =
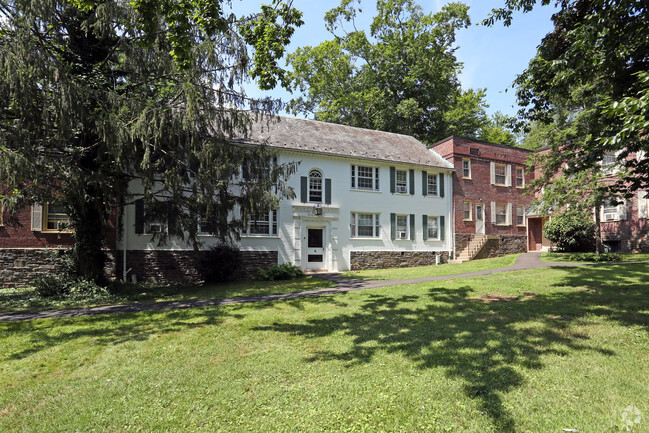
89,256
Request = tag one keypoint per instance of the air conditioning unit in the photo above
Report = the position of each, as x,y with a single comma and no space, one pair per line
610,216
401,189
403,235
156,228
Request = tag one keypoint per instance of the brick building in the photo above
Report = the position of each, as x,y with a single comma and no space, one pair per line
489,200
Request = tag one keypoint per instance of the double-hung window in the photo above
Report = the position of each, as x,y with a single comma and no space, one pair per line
401,179
55,217
365,178
500,175
608,162
402,227
520,215
365,225
432,228
432,185
520,177
501,214
264,224
467,210
315,186
466,168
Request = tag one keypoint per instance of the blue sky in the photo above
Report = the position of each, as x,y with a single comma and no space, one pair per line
492,56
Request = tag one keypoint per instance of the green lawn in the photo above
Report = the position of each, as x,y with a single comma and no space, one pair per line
433,271
28,298
529,351
562,257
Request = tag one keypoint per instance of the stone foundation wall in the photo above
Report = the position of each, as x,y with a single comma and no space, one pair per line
21,267
183,266
360,260
633,241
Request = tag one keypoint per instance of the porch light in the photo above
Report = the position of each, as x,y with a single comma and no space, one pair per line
317,209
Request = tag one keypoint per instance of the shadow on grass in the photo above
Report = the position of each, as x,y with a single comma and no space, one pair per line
485,341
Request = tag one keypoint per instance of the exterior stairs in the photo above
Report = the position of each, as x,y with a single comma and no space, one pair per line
472,249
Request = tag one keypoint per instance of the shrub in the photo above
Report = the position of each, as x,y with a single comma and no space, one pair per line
220,263
571,231
285,271
592,257
68,286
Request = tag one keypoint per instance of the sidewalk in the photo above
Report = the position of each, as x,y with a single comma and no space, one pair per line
343,285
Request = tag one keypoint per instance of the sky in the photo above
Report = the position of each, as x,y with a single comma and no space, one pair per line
492,56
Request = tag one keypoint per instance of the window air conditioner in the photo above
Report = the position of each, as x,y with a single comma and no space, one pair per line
610,216
155,228
401,189
402,235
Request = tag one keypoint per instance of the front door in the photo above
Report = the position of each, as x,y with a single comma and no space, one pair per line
315,248
479,219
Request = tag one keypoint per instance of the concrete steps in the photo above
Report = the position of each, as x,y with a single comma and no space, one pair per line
472,249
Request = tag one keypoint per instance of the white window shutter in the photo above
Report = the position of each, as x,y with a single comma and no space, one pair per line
492,170
508,175
643,211
621,210
37,217
509,213
493,212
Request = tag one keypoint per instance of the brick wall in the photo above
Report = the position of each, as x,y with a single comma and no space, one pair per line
360,260
478,189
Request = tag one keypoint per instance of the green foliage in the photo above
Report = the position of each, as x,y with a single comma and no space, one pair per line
67,284
400,75
498,129
285,271
588,79
571,231
589,257
220,263
101,97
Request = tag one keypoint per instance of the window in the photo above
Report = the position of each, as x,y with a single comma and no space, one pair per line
402,227
432,228
401,179
55,217
520,215
365,178
263,225
613,212
520,177
431,183
643,204
609,159
206,224
467,210
466,168
365,225
500,174
501,213
315,186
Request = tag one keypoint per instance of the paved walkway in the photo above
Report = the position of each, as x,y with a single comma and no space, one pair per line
343,285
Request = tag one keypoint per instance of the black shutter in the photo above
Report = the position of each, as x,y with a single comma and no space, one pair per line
139,216
424,182
353,176
442,230
412,227
412,182
304,196
424,225
172,221
393,226
327,191
441,185
392,179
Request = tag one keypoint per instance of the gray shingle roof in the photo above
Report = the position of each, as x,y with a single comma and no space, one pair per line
340,140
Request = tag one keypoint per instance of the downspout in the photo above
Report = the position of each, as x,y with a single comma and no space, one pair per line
452,217
125,246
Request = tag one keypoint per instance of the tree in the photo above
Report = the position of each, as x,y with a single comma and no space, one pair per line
401,76
589,75
498,129
571,231
103,98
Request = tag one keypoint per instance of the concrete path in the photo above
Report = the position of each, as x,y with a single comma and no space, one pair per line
343,285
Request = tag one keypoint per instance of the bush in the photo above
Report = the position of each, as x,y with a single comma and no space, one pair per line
284,271
571,231
592,257
220,263
68,286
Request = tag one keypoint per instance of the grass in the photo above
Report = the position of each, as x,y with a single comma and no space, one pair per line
433,271
28,299
563,257
529,351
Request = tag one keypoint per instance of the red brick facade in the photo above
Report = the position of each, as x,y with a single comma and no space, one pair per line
17,233
479,188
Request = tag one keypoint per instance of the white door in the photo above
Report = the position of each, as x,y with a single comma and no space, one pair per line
315,248
479,219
